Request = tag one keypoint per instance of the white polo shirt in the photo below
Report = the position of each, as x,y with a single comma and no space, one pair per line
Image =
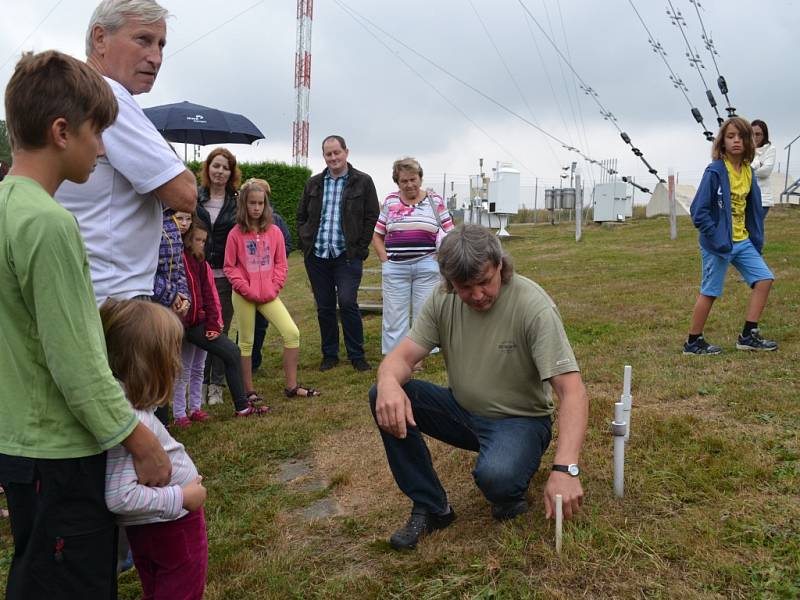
117,212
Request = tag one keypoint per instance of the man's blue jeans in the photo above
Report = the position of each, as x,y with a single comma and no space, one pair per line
509,449
336,280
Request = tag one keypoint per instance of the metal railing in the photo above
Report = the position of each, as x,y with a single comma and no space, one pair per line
789,190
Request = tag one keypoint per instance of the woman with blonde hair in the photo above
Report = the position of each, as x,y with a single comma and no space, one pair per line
255,264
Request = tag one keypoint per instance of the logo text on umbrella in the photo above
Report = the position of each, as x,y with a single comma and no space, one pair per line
196,118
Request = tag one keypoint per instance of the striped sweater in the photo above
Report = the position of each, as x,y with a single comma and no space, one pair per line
136,504
410,230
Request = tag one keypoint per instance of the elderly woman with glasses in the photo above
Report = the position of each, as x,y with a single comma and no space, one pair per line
411,222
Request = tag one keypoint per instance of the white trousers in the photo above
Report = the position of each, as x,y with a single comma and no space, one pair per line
406,286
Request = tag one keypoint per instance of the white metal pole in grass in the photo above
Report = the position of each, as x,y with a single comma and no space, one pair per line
618,429
559,522
578,208
673,215
627,399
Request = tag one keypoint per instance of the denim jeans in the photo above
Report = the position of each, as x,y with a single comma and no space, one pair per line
336,280
406,286
509,449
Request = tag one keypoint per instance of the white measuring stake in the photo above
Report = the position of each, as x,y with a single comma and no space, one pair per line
559,522
619,449
627,399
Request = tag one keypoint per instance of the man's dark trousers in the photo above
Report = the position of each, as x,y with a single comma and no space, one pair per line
509,449
336,280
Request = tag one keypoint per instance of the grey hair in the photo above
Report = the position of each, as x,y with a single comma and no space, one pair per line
405,164
465,253
111,15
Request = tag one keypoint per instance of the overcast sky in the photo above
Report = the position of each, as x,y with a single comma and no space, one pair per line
238,55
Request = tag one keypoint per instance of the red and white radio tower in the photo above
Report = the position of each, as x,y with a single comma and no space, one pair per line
302,82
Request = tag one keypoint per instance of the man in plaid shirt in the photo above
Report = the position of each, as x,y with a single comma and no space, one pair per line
335,219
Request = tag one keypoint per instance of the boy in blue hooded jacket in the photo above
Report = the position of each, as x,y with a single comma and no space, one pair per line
728,215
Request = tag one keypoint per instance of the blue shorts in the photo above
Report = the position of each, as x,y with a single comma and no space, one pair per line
744,257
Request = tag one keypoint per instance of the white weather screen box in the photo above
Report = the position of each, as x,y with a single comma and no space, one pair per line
612,202
504,191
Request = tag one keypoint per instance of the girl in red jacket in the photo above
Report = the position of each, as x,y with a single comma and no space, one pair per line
255,264
203,325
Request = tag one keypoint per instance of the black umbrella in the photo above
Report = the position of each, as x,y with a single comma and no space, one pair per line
189,123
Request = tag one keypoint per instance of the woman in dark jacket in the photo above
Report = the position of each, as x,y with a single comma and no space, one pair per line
216,208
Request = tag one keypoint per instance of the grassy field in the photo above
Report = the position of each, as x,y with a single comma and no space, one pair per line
712,506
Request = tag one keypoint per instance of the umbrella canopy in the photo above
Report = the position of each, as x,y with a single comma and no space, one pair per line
189,123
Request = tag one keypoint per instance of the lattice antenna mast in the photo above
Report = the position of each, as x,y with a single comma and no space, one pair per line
302,82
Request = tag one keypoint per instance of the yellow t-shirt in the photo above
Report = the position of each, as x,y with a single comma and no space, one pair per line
740,187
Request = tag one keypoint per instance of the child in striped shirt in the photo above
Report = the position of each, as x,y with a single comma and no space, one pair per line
166,526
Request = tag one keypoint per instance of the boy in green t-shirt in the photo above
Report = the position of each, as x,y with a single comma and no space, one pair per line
61,407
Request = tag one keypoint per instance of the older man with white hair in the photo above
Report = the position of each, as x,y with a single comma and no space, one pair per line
119,210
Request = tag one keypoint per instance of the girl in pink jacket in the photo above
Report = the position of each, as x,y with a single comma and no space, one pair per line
255,264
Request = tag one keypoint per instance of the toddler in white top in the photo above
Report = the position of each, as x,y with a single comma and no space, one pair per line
165,526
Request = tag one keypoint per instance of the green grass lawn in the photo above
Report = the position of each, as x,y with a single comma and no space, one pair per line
712,504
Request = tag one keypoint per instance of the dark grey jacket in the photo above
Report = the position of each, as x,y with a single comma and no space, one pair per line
360,211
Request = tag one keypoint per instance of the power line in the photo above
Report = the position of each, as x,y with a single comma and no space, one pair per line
556,100
561,71
35,29
676,81
468,85
607,115
709,44
575,89
511,76
361,20
217,28
549,79
677,19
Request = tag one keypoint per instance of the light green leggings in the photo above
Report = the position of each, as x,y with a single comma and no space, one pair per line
244,312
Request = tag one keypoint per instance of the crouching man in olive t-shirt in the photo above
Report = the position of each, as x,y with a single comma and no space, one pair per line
505,350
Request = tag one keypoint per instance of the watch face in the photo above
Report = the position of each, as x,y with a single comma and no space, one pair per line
573,470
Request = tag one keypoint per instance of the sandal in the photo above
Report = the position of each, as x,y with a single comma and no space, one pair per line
253,410
253,397
309,392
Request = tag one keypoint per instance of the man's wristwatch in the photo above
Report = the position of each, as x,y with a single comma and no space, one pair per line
573,469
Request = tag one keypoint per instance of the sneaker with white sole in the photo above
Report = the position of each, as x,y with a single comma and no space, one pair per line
215,394
700,346
754,341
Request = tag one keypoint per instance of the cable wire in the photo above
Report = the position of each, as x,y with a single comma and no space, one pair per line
466,84
549,79
709,44
575,89
677,19
607,115
513,79
35,29
358,19
218,27
677,82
